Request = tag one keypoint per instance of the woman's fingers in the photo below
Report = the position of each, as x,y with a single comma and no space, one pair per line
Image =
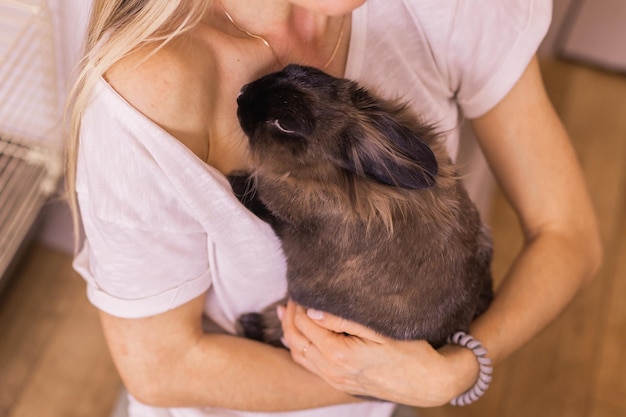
335,337
293,337
340,325
359,361
303,350
334,355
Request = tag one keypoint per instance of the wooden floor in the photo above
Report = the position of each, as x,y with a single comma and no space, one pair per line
53,362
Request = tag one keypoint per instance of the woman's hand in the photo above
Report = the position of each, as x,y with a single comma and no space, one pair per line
361,362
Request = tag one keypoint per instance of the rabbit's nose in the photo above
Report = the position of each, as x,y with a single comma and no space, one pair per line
242,91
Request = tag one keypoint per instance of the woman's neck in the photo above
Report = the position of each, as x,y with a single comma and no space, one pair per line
293,33
275,19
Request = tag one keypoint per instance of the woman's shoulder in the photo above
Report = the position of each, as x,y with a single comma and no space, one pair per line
171,86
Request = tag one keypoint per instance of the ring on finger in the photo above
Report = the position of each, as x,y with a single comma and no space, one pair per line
304,349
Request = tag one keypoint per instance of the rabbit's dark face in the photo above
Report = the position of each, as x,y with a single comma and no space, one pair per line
290,114
302,120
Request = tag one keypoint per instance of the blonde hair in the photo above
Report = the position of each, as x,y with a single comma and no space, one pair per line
126,25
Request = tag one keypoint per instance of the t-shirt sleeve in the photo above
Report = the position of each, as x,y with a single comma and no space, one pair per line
491,44
135,273
145,251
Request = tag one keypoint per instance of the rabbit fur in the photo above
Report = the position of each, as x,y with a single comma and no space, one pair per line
375,224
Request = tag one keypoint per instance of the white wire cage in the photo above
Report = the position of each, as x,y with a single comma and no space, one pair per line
30,122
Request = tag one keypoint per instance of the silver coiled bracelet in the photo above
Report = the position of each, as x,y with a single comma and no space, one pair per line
486,368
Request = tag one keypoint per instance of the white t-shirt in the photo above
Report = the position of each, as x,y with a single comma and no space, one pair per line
162,227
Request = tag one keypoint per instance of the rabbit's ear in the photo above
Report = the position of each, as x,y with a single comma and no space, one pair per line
390,153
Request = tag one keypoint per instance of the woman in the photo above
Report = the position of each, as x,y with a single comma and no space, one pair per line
167,246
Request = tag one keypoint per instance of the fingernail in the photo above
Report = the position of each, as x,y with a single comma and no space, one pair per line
280,311
284,342
315,314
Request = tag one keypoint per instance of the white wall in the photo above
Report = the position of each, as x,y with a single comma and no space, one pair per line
560,10
596,34
70,18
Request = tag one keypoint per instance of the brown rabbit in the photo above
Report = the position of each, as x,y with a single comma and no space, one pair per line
374,222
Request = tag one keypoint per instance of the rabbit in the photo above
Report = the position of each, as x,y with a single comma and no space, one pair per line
374,222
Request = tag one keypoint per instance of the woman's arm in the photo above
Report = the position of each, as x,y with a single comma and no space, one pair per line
530,154
532,158
167,361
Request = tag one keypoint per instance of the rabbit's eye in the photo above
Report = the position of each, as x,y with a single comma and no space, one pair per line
280,126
